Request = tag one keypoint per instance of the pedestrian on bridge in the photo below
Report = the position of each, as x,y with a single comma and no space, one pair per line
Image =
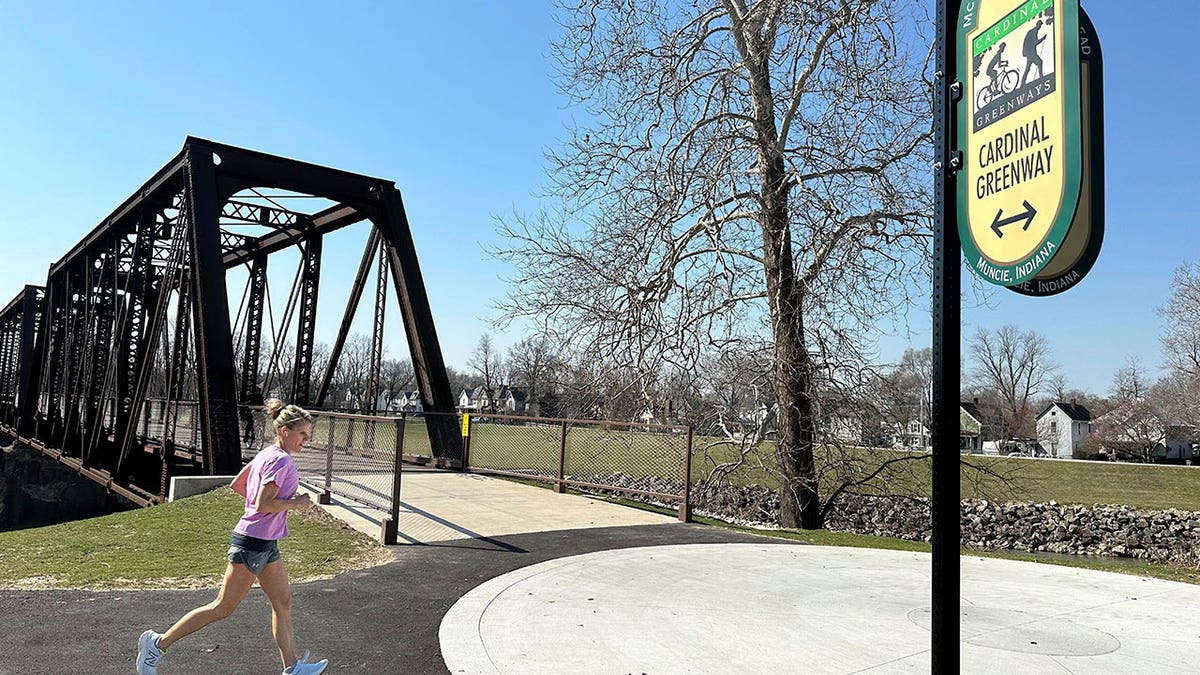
268,484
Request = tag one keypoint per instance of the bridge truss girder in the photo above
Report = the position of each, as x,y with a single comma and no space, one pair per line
86,347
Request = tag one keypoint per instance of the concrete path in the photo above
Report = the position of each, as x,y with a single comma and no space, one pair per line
379,621
441,506
472,593
760,608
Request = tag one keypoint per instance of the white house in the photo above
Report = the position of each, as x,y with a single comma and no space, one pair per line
1062,428
512,401
912,435
409,401
479,398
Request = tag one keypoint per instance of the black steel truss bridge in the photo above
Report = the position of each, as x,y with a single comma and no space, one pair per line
129,363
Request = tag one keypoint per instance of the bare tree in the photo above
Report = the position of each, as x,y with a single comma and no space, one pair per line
1135,426
279,361
396,375
488,364
1130,382
1181,332
1178,398
458,380
750,169
1016,366
1057,387
320,361
532,364
913,381
351,372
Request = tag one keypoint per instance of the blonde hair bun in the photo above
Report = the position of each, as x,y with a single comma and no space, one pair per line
286,415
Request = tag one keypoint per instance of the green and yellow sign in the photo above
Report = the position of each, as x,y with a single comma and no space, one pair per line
1081,248
1019,129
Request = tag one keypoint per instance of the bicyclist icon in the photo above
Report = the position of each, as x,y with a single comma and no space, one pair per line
1002,79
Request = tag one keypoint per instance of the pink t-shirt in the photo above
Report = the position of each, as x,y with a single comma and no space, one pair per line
271,464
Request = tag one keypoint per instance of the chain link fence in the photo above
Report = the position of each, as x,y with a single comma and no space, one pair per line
360,457
650,462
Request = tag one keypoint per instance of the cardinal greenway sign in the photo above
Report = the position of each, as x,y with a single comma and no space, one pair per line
1081,248
1019,129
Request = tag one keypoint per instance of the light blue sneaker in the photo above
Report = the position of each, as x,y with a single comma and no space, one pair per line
304,667
149,654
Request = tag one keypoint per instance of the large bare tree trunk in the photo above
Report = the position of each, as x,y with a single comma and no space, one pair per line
792,363
728,139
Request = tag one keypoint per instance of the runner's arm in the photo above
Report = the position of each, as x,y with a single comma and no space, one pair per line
239,483
268,500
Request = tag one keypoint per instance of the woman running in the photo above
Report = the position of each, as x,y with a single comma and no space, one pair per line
269,484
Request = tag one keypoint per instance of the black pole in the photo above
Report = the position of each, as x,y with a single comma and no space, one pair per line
947,312
215,372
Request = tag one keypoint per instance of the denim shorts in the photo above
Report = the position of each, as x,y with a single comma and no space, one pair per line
252,552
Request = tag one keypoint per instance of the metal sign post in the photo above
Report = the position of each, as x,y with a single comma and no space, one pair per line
947,310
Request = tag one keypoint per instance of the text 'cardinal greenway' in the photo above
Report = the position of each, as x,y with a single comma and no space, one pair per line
1018,169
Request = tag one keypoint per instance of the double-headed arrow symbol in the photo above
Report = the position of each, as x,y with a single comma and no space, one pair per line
1027,216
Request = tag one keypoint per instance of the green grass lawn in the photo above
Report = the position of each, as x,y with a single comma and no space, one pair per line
639,454
591,450
1144,486
178,544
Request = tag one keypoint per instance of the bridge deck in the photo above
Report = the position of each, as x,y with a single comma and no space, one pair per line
440,505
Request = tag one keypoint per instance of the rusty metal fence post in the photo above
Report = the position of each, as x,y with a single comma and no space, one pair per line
560,487
325,497
390,525
685,508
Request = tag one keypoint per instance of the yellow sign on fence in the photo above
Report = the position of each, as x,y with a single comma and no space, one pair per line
466,425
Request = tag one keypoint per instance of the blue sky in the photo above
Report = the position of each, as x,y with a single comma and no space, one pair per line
456,103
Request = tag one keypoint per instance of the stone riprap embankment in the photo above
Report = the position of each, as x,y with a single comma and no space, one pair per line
1169,536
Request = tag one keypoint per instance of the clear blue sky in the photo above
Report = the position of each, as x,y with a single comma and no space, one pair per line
455,102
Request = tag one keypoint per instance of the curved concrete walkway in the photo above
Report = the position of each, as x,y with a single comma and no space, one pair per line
761,608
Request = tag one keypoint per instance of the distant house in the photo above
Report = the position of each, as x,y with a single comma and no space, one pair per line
409,401
752,420
970,428
1062,429
912,435
512,401
477,399
845,430
1180,446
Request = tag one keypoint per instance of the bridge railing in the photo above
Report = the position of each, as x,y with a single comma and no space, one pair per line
647,462
360,458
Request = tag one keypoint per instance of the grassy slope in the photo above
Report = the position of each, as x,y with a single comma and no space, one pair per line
177,544
1141,486
591,450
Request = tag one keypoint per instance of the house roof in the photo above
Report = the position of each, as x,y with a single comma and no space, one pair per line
1073,410
972,410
